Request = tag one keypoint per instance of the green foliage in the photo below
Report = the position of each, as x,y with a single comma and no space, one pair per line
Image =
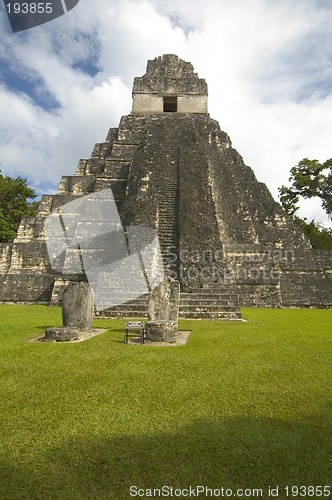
319,236
288,200
310,179
15,202
243,405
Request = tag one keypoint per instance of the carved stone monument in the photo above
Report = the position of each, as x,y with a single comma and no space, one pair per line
77,314
163,312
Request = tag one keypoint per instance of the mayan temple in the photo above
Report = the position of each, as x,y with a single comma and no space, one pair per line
172,169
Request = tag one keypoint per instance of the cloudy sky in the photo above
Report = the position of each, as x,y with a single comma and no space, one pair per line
268,65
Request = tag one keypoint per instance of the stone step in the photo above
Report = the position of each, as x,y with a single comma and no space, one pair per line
209,296
218,288
212,316
208,307
194,307
122,303
216,315
113,292
110,313
166,243
128,307
129,297
187,303
184,299
139,313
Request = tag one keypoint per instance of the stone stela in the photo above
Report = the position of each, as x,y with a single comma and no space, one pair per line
77,314
163,312
172,168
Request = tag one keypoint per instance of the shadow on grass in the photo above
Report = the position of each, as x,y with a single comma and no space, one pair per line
233,453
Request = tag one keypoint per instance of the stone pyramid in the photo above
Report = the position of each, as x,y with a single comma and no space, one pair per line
172,169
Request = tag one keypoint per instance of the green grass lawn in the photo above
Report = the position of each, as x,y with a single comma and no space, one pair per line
243,405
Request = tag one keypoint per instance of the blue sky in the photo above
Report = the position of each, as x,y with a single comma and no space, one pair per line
268,66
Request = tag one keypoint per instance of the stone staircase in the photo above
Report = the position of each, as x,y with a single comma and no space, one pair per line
219,302
132,308
214,303
168,231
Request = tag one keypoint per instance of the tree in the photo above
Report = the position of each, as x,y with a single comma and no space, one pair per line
309,179
319,236
16,201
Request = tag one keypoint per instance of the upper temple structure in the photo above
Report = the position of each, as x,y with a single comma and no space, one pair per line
169,85
172,169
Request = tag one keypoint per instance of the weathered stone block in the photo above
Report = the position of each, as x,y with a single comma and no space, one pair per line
77,184
116,169
161,331
122,151
164,301
61,334
81,167
29,255
118,186
77,306
163,311
26,286
45,204
95,166
112,134
5,256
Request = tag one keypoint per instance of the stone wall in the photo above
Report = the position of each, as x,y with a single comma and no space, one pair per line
306,280
192,104
274,277
154,103
5,256
147,103
168,74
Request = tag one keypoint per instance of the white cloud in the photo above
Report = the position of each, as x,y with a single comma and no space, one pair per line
268,66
